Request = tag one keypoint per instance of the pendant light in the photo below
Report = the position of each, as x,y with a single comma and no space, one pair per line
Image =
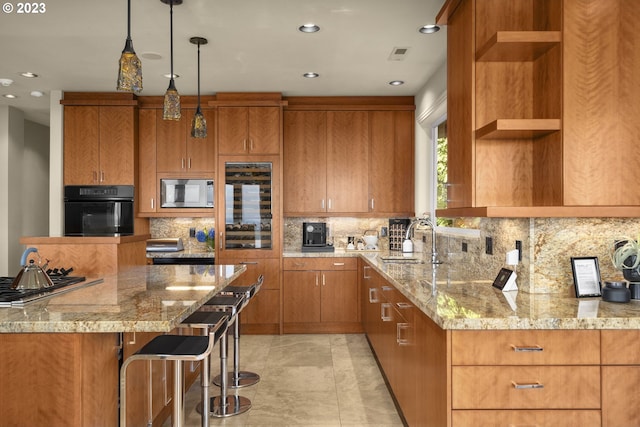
199,124
130,69
171,109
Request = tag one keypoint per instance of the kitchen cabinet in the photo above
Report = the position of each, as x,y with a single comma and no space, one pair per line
320,295
168,151
496,377
178,152
620,377
353,156
391,177
262,315
525,101
249,130
100,144
326,159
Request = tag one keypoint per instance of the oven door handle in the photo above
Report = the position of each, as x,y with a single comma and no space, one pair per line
117,214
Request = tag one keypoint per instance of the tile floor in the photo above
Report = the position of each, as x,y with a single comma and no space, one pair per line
307,380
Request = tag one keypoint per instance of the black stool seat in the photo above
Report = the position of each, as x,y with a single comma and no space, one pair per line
228,303
216,321
169,346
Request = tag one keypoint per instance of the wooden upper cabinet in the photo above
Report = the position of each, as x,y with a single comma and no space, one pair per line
249,130
347,161
305,161
391,170
99,145
178,151
147,184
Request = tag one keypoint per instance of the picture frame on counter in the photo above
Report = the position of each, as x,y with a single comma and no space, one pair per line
586,277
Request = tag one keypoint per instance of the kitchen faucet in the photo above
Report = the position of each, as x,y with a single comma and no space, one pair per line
407,245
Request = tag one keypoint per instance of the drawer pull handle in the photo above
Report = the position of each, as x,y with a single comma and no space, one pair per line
403,339
518,386
386,288
527,349
383,312
373,298
403,305
249,262
338,263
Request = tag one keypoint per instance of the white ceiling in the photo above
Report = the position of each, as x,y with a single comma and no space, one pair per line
254,46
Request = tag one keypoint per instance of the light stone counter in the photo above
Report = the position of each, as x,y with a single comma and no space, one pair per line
142,299
182,254
464,304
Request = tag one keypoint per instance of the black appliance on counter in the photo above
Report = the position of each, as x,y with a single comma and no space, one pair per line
314,237
98,210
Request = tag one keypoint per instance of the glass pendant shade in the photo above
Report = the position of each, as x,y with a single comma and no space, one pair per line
198,125
130,70
130,67
171,109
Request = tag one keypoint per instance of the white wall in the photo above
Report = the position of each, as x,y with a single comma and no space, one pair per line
11,143
431,106
35,174
56,159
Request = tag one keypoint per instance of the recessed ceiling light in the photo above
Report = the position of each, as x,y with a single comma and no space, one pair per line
29,74
168,76
10,96
311,75
429,29
36,93
6,82
151,55
396,82
309,28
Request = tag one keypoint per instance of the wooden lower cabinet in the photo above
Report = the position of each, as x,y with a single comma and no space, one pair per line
492,418
482,378
262,315
320,295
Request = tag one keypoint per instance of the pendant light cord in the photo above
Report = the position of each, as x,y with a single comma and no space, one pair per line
171,29
198,76
128,19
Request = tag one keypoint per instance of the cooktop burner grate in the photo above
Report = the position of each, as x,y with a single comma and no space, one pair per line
12,297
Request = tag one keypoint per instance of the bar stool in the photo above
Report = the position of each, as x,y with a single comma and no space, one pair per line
225,405
238,378
177,348
211,323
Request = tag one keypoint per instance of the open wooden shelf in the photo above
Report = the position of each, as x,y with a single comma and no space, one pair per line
518,45
542,212
518,128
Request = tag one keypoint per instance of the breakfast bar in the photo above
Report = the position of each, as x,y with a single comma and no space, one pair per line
60,355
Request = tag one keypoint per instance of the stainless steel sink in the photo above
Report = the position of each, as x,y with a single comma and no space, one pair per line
401,260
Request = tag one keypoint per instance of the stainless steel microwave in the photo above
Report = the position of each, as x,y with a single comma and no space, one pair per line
186,193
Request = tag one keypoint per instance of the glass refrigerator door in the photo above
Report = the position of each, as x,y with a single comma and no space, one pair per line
248,205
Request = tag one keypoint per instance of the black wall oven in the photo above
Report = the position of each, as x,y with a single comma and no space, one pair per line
98,210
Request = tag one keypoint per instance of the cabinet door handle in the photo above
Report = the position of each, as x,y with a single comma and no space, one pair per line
251,144
189,163
153,204
182,163
383,312
95,176
373,203
316,279
249,262
324,280
524,386
373,298
364,272
330,204
527,348
244,145
322,203
101,176
400,339
338,264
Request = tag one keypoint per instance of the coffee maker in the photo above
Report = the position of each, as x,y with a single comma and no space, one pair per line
314,237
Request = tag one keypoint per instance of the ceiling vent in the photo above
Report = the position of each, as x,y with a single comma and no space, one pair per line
398,53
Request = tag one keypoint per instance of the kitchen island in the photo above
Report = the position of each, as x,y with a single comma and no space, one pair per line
60,356
458,352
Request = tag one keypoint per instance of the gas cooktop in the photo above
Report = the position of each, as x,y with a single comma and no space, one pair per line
17,298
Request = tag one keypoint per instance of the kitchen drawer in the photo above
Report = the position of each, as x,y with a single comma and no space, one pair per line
528,418
620,347
526,387
526,347
312,263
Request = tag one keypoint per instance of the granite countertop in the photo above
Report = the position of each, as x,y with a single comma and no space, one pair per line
182,254
465,304
150,298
